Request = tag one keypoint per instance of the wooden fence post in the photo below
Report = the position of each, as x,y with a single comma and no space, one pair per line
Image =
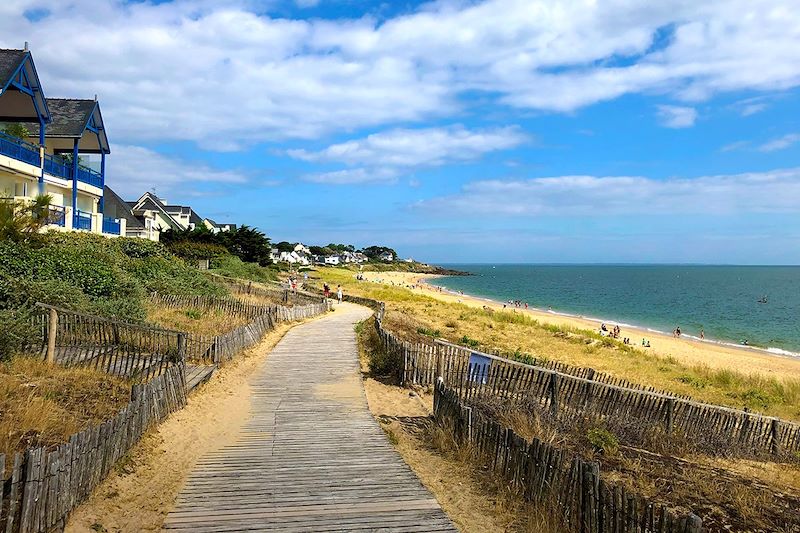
554,394
439,362
669,419
51,336
181,347
775,436
694,524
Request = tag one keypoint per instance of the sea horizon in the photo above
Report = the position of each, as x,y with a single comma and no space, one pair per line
448,264
722,302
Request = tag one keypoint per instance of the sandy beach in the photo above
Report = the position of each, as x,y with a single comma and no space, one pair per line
686,350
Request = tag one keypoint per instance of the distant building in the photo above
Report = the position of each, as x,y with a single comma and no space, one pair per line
142,225
386,256
151,206
301,248
214,227
293,258
332,260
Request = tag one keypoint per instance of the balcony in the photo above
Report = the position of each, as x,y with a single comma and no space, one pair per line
18,149
111,226
90,176
56,166
82,220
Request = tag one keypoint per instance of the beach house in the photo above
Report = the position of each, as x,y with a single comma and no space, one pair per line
53,146
164,217
215,227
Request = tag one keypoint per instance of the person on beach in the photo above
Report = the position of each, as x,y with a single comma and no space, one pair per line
326,290
339,293
702,334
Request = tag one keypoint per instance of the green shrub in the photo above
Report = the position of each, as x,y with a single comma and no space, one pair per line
141,248
194,314
694,381
232,266
472,343
16,330
429,332
91,273
197,250
603,441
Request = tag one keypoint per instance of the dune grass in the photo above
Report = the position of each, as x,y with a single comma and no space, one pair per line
415,315
193,320
43,404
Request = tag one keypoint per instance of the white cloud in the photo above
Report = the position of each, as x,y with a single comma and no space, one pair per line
354,176
134,169
780,143
224,74
734,146
414,148
757,192
677,116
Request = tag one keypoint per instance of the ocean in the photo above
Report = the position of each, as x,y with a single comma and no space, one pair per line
722,300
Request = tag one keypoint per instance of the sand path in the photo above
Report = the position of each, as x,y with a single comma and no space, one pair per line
311,457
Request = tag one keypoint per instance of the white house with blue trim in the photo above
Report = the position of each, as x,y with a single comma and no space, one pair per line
64,155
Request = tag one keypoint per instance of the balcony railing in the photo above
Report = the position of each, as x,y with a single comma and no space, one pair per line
57,166
57,216
92,177
18,149
82,220
111,226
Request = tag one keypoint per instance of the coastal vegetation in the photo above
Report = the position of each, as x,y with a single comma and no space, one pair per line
85,272
521,337
42,404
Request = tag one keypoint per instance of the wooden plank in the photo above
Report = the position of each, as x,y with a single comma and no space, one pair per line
311,455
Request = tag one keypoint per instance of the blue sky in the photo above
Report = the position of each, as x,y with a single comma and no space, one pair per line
498,131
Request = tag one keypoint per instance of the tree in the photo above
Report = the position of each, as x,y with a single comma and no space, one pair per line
342,247
248,243
285,246
373,252
21,220
199,234
15,129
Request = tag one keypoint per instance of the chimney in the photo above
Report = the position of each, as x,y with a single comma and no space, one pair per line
26,46
95,97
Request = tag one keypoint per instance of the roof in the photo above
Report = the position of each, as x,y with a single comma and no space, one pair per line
72,118
153,203
180,209
10,61
116,207
194,218
19,79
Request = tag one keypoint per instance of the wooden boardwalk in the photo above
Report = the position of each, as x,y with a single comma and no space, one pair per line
312,457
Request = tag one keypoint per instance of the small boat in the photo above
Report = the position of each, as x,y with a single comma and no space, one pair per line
762,300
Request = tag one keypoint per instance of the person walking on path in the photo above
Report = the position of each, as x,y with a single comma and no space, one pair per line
339,293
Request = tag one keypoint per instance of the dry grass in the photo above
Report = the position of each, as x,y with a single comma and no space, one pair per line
412,314
258,299
42,404
196,321
729,494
